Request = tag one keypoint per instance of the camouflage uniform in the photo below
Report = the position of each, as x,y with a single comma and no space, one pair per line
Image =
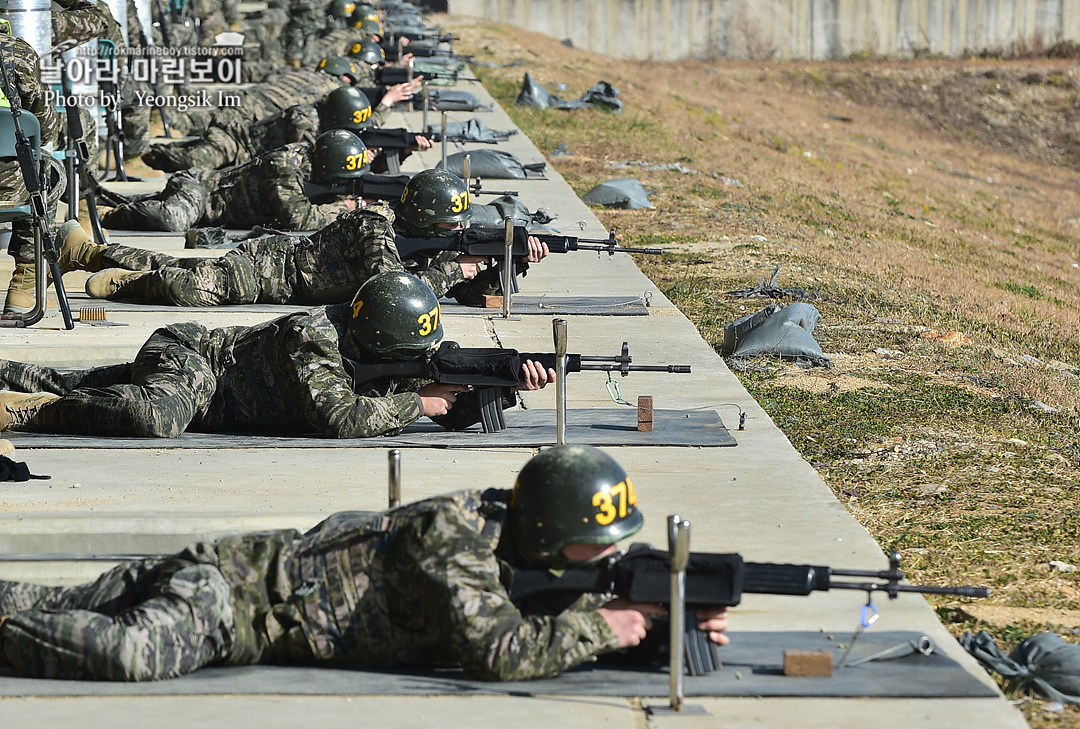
276,93
268,190
23,61
326,267
237,141
290,375
421,585
306,18
335,42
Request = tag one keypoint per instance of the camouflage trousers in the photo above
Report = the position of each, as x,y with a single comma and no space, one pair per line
13,189
157,396
229,279
176,208
140,621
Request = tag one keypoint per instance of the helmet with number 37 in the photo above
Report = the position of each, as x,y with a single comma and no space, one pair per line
337,156
432,197
395,315
571,494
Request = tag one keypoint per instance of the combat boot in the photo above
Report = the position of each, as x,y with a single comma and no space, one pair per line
78,251
115,283
21,291
18,409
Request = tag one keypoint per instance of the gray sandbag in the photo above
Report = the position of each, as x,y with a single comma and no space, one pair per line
449,100
494,164
625,192
495,212
776,331
603,95
1043,662
472,130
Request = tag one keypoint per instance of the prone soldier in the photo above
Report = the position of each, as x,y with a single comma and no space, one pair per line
323,268
290,375
238,601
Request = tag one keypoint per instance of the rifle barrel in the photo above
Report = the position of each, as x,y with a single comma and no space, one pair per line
613,249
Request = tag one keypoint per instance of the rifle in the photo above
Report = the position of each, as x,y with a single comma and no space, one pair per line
114,131
393,75
38,206
492,371
164,23
374,186
166,37
642,574
491,242
77,155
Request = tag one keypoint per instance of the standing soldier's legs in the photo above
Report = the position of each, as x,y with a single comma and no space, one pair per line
177,208
136,116
140,621
170,386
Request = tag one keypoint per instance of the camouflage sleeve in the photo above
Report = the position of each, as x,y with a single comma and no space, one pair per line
488,635
442,273
24,59
325,397
284,190
82,21
301,123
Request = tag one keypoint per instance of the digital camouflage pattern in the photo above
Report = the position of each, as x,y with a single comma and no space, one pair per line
268,191
234,142
326,267
416,586
306,18
336,42
279,91
290,375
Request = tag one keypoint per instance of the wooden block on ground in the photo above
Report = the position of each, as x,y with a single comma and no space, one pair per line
644,414
494,302
808,663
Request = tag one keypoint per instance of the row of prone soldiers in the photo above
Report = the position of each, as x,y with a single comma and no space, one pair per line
295,170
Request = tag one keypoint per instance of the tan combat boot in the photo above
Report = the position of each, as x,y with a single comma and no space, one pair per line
21,291
78,251
109,282
18,409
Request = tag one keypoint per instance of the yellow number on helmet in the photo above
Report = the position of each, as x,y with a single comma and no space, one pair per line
356,307
602,500
429,322
361,115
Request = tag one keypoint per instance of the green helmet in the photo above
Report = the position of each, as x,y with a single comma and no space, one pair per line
346,107
338,155
396,315
571,494
368,51
362,12
371,27
434,196
341,66
341,9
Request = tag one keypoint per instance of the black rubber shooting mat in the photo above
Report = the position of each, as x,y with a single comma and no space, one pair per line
752,667
524,428
522,306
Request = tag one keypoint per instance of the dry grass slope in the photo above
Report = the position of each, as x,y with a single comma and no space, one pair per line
913,199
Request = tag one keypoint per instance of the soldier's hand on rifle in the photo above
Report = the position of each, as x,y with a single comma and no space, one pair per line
630,621
352,203
714,621
406,57
437,399
537,250
423,143
472,265
534,376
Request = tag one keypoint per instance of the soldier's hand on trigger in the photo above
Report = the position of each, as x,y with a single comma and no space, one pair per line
472,265
630,621
714,621
534,376
437,399
537,250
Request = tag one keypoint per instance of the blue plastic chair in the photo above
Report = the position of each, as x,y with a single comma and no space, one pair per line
32,129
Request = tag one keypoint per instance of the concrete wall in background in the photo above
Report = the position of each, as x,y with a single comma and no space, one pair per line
782,29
